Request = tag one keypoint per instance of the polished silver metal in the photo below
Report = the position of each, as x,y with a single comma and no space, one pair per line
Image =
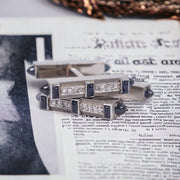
59,69
77,87
140,91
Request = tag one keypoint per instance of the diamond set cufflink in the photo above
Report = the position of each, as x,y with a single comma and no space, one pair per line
109,108
83,88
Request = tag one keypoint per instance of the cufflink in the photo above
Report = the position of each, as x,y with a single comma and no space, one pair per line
108,108
82,88
78,80
90,86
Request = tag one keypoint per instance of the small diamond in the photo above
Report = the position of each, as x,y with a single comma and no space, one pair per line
81,90
100,87
108,87
75,90
95,109
66,104
99,109
103,87
91,108
87,108
82,107
63,104
59,103
64,91
53,103
97,88
70,90
115,87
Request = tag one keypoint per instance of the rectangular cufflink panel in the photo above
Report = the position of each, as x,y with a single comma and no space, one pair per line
92,87
91,107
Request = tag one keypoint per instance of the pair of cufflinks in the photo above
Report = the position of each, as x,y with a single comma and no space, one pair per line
84,88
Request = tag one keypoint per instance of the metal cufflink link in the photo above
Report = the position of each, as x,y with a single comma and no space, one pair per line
56,69
106,108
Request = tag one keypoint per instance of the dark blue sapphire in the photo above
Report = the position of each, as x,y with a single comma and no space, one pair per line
74,107
120,109
55,92
45,89
31,70
125,87
90,90
131,81
148,93
107,111
43,102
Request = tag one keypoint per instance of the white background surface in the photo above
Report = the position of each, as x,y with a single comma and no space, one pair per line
33,8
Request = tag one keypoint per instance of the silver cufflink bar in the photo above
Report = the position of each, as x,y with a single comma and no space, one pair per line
109,108
89,86
53,69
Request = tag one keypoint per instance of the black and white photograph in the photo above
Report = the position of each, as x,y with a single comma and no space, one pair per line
18,152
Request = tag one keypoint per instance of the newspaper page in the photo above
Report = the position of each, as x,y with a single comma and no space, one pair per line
144,143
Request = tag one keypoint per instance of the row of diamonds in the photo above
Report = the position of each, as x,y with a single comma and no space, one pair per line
91,108
60,103
73,90
108,87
